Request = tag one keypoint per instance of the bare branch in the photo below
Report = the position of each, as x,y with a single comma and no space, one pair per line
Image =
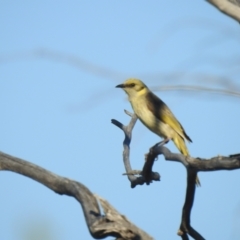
140,180
193,165
65,58
231,162
227,7
119,223
193,88
100,226
185,226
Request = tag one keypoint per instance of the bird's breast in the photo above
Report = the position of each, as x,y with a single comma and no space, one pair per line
147,117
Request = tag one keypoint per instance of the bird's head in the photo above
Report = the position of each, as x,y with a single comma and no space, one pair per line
133,87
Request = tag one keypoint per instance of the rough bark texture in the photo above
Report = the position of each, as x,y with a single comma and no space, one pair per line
100,226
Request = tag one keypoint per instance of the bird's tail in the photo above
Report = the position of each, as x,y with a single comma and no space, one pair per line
180,144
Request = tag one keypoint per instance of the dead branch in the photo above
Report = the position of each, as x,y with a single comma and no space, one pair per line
193,165
192,88
135,180
112,223
228,7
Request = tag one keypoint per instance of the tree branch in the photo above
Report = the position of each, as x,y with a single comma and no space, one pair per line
140,180
100,226
227,7
193,165
230,162
192,88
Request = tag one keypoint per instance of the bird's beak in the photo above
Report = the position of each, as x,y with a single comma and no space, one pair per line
120,86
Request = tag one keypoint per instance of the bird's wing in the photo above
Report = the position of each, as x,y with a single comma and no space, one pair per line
164,114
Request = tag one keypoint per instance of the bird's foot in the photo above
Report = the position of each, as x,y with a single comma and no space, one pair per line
165,141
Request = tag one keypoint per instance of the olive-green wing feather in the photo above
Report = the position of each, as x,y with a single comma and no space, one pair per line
164,114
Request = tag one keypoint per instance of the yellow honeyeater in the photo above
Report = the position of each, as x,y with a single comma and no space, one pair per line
155,114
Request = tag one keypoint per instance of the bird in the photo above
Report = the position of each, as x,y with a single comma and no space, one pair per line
156,115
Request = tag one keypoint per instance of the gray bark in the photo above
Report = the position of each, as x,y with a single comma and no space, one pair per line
229,7
192,165
112,223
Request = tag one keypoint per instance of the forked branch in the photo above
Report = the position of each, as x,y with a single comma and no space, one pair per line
193,165
135,177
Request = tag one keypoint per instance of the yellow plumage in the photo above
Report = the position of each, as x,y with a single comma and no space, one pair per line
155,114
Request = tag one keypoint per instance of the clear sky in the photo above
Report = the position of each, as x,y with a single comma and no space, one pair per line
59,64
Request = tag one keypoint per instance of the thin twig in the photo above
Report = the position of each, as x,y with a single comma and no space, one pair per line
192,88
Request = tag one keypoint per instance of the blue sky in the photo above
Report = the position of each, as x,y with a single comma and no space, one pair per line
59,64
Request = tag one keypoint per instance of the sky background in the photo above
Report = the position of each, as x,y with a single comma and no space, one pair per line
59,64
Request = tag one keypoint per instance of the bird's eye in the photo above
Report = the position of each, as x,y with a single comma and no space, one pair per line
132,85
